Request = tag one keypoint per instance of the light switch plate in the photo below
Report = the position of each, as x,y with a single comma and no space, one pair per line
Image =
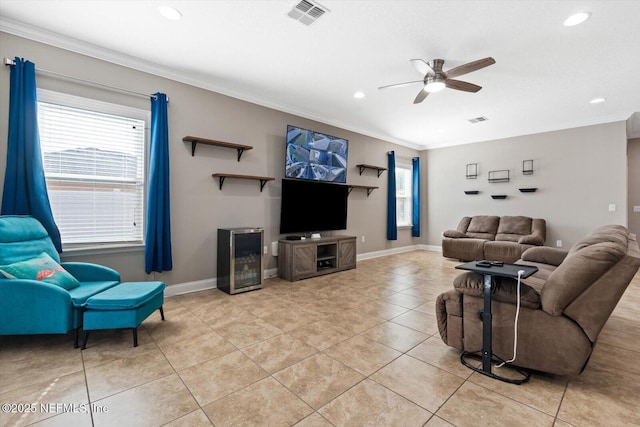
612,208
636,209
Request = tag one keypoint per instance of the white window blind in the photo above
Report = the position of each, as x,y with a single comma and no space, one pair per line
403,195
94,168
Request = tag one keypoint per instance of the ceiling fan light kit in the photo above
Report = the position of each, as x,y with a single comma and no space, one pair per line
434,85
435,79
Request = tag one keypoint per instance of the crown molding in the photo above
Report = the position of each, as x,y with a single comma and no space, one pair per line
633,126
77,46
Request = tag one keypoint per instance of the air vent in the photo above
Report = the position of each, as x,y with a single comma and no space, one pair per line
307,12
478,119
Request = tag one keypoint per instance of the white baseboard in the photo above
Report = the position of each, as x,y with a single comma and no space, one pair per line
386,252
272,272
188,287
203,285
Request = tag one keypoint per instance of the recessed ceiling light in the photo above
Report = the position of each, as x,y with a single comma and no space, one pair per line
359,95
577,18
170,13
597,100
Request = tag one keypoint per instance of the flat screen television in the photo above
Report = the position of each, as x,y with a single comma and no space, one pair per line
311,206
315,156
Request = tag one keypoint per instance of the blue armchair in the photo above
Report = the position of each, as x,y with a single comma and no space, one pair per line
36,307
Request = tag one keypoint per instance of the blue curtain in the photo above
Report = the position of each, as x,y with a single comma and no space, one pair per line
25,188
392,226
415,196
157,251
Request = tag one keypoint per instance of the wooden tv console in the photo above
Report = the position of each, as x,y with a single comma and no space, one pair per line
301,259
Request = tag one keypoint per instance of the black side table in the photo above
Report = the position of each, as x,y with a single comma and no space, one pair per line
494,269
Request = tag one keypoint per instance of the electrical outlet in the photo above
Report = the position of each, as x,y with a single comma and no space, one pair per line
612,208
559,243
266,250
362,239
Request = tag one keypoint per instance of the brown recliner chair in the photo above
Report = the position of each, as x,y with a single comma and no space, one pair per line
563,306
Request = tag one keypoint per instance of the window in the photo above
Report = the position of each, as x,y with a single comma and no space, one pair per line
94,163
403,195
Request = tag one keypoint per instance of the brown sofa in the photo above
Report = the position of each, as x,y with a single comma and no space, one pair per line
493,238
563,306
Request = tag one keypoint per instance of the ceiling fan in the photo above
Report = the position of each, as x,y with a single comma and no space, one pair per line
435,79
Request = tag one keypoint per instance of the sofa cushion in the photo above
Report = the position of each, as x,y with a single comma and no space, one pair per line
463,225
86,290
518,225
484,224
42,268
125,296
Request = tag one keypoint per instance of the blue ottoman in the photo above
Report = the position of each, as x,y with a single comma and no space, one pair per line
122,307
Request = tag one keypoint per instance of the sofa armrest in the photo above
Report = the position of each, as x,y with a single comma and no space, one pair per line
33,307
545,255
538,233
454,234
531,239
87,272
503,289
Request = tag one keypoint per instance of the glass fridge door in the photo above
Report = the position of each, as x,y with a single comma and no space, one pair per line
247,260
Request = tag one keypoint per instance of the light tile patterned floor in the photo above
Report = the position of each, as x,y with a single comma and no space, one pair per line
351,349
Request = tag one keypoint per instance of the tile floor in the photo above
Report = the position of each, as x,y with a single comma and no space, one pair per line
355,348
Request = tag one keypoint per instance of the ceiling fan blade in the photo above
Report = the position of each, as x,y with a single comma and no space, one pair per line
460,85
469,67
421,96
401,84
423,68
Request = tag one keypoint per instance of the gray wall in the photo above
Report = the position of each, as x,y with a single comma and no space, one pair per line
199,208
578,173
633,153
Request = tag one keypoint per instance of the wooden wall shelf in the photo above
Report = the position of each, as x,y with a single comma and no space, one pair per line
195,140
367,187
263,179
379,169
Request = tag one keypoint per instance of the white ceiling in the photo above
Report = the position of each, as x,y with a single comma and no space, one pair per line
544,77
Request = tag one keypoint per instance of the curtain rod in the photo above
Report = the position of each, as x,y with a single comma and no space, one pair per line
403,157
9,61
